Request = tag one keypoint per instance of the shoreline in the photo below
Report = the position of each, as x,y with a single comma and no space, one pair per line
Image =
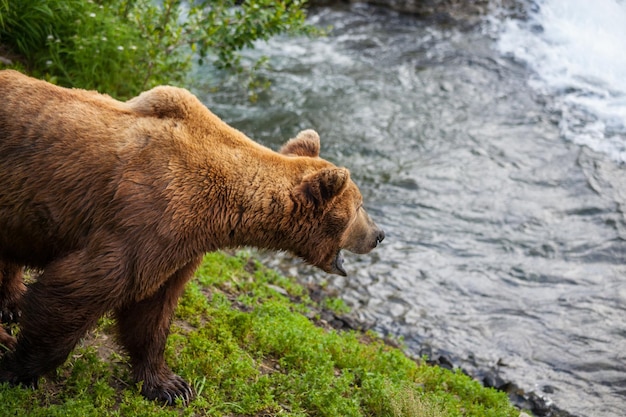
489,378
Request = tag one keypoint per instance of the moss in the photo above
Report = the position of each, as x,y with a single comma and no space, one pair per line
242,338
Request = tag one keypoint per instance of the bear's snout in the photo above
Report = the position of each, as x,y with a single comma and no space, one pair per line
363,235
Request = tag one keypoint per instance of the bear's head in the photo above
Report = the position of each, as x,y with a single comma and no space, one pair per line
334,207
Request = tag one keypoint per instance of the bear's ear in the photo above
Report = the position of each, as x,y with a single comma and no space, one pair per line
321,186
307,143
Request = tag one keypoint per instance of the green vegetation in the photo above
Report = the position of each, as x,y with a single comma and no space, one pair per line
123,47
247,340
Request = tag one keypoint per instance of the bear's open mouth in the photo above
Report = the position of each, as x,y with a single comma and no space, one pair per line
338,264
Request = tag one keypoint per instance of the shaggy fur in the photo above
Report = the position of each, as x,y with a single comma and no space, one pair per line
116,202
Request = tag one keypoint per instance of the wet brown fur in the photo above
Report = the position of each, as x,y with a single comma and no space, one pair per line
116,202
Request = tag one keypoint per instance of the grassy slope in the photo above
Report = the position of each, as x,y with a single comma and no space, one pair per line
246,338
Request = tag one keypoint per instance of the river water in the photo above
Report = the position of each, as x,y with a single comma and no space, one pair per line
493,156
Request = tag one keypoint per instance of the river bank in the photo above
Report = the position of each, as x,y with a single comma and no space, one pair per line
252,343
341,320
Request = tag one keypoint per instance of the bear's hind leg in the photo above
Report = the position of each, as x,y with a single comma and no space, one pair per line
143,329
57,310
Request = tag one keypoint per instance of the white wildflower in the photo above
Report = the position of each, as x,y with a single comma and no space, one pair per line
120,48
92,14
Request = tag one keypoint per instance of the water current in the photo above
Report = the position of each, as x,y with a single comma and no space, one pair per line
501,191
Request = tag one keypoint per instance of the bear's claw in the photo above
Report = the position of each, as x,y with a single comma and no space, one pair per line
15,380
8,316
169,391
9,305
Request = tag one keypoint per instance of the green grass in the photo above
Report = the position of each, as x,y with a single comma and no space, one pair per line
245,337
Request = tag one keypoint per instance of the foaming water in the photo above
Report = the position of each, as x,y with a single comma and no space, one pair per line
577,50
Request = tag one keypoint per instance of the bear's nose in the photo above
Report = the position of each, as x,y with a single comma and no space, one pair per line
380,237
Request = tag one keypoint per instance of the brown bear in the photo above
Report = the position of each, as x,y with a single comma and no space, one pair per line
115,203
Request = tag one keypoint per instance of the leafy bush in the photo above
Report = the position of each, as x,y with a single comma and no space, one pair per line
125,46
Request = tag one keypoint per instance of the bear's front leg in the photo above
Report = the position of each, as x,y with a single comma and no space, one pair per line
143,329
66,301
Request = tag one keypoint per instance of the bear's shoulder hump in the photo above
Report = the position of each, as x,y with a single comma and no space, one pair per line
165,102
